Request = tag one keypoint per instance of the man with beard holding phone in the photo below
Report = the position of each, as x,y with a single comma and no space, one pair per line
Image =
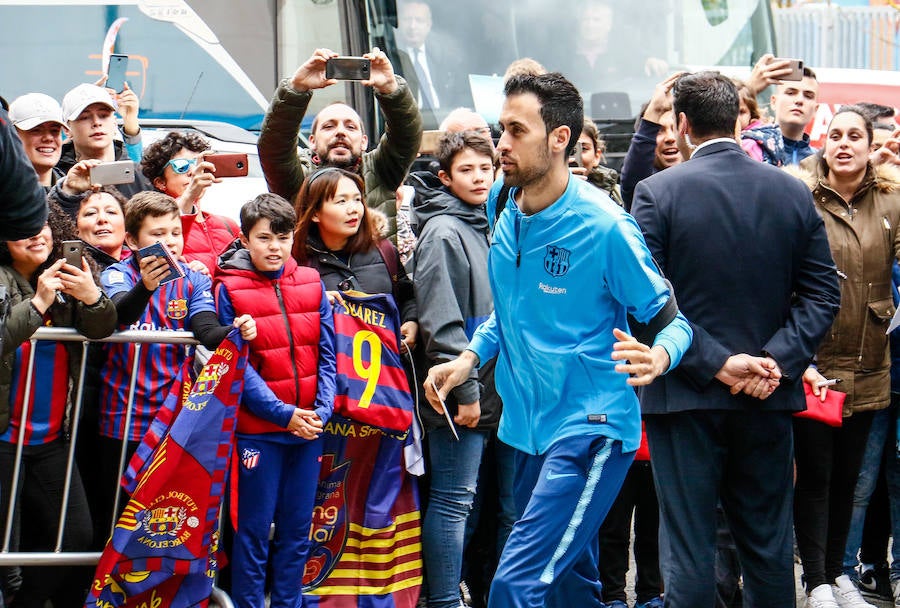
337,138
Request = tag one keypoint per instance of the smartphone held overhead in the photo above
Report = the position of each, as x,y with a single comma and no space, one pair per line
348,68
118,66
796,69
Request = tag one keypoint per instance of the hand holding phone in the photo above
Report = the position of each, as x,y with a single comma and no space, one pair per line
348,68
73,251
796,66
110,174
118,65
228,165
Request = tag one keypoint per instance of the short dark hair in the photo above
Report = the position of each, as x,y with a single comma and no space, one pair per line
317,188
561,103
875,111
861,112
808,73
281,215
451,144
147,204
55,196
157,154
709,100
62,228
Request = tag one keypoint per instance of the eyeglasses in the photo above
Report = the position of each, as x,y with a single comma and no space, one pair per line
181,165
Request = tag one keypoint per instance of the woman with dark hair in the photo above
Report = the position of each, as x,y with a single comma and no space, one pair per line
175,165
100,224
336,236
860,205
42,290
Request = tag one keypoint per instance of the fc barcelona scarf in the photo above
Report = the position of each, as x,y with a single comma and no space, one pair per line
163,548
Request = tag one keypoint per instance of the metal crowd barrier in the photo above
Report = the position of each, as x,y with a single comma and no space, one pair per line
57,557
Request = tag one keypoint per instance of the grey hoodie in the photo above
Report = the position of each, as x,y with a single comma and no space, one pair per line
453,291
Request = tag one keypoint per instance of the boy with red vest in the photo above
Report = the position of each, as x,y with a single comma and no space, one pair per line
288,397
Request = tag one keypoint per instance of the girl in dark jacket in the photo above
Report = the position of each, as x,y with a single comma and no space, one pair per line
337,237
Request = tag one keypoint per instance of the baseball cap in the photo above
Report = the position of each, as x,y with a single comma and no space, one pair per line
28,111
81,97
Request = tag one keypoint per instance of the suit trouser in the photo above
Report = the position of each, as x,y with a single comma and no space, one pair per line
744,459
550,558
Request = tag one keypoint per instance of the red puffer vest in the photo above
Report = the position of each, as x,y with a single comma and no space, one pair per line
205,240
285,352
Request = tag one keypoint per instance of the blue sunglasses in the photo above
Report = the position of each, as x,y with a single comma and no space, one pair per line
181,165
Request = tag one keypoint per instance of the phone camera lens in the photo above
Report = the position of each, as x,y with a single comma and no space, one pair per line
240,165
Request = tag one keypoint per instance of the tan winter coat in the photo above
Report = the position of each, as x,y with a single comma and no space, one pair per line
864,235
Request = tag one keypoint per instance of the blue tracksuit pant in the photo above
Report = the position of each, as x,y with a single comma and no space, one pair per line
550,558
276,483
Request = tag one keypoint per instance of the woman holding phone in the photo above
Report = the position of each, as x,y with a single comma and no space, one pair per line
176,165
860,205
43,290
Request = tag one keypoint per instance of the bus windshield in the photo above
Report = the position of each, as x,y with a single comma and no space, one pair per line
176,65
615,51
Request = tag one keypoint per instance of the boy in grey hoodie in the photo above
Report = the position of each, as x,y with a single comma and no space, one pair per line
454,296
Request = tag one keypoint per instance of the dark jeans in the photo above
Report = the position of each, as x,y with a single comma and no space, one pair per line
39,500
828,462
637,497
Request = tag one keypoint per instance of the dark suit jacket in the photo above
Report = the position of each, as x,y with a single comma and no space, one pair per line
450,82
748,257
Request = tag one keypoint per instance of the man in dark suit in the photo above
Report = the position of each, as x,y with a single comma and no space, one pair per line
749,260
430,63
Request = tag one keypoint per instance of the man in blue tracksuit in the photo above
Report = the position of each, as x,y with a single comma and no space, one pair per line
566,267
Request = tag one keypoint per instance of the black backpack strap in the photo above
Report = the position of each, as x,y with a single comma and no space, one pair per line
392,262
646,332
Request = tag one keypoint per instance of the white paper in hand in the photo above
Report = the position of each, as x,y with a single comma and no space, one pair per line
446,411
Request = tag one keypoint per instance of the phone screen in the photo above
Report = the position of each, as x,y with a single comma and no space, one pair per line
118,64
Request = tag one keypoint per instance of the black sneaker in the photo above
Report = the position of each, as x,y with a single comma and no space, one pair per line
875,584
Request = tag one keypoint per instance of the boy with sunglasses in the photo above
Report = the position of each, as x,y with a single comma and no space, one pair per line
175,166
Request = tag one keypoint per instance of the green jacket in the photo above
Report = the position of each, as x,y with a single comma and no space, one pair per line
94,322
383,168
606,179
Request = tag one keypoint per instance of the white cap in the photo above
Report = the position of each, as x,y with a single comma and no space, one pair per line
81,97
28,111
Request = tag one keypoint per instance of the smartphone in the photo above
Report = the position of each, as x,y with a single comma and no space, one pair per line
796,69
576,160
110,174
72,251
429,143
348,68
115,80
228,165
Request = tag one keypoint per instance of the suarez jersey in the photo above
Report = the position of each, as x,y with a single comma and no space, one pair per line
170,309
48,394
371,384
